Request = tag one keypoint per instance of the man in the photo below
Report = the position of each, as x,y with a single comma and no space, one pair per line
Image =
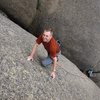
51,46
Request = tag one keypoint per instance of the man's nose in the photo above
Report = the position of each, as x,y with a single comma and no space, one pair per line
44,36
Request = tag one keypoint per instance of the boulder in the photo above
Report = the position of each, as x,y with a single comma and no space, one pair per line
20,11
76,25
25,80
1,12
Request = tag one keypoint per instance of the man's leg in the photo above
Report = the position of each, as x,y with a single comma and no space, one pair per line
47,61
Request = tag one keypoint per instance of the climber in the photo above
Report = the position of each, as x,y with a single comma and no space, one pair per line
52,48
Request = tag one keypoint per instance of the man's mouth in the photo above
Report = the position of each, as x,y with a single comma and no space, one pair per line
44,39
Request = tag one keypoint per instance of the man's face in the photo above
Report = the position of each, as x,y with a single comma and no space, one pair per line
46,36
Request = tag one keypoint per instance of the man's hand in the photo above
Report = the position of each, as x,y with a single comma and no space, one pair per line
30,58
53,74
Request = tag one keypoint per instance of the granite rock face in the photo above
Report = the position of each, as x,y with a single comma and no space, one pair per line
21,11
24,80
75,24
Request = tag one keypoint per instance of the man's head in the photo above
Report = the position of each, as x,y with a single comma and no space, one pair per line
47,35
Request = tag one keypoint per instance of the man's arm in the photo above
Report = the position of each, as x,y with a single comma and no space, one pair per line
53,73
33,52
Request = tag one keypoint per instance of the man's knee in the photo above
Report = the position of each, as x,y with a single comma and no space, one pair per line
43,62
47,61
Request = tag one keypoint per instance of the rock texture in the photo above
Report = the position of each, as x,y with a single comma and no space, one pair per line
21,11
96,75
75,23
24,80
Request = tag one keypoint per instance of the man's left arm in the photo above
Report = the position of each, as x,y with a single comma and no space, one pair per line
53,73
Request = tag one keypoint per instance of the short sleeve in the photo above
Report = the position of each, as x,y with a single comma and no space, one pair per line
39,39
53,52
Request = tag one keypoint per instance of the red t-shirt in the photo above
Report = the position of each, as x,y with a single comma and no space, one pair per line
51,47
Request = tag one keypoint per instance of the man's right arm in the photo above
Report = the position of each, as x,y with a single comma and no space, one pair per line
33,52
